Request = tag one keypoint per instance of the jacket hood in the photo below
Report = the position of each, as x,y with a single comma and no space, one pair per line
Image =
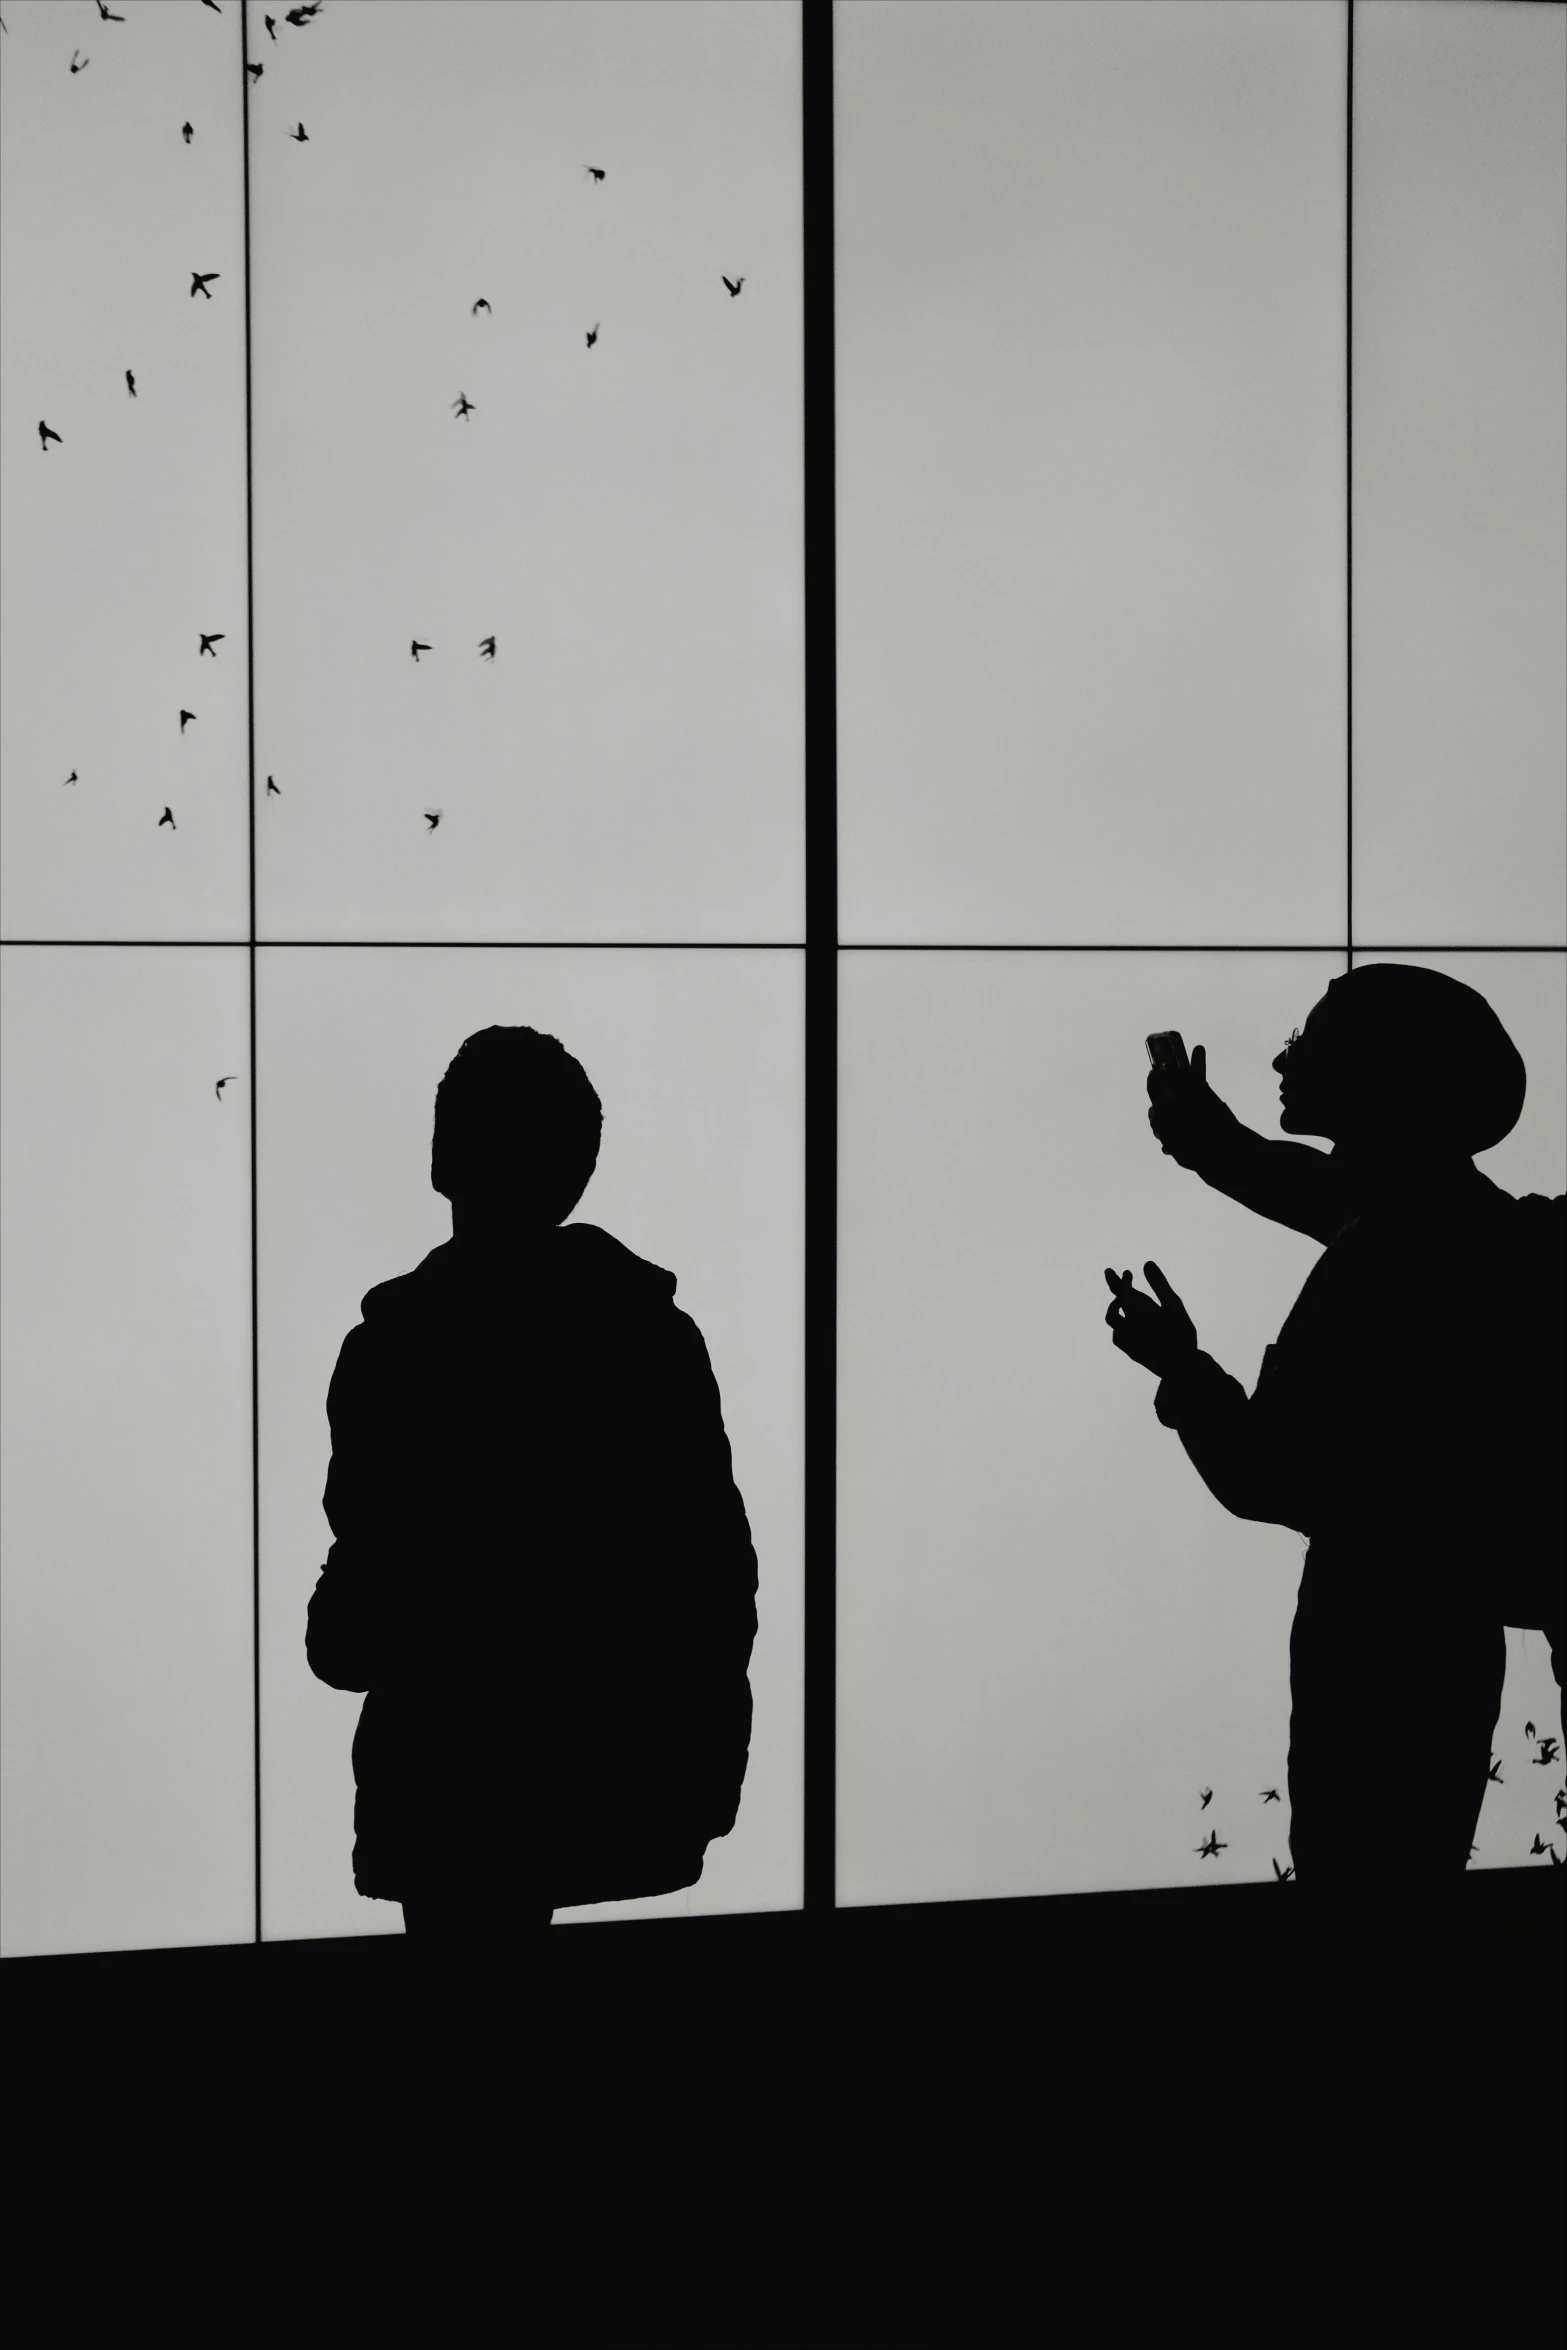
582,1255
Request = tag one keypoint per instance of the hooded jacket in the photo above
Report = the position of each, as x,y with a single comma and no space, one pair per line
542,1576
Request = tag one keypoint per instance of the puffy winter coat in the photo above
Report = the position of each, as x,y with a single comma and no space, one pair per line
542,1575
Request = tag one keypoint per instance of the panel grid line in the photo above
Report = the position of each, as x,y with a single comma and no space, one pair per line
821,965
250,752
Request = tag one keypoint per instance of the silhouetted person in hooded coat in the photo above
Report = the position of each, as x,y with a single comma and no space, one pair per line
543,1575
1408,1419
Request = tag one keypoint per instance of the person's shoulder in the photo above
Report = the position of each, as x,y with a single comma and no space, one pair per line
406,1292
1542,1222
1537,1211
588,1252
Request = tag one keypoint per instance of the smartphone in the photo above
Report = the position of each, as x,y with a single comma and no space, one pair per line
1168,1053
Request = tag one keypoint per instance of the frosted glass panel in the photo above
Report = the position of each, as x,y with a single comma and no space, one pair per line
1529,996
126,1720
124,540
698,1059
1050,1636
1091,470
623,520
1460,294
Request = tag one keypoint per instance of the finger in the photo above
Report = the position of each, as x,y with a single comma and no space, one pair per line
1200,1063
1157,1282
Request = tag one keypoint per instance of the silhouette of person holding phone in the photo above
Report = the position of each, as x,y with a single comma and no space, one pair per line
1408,1419
542,1574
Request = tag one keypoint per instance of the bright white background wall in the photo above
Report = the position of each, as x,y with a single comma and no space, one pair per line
626,521
1092,623
1092,648
1090,352
1460,318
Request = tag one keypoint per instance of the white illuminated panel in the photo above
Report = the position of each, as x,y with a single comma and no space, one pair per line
126,1715
1090,471
1460,472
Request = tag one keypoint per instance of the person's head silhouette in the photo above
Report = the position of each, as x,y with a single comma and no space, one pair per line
1402,1065
517,1128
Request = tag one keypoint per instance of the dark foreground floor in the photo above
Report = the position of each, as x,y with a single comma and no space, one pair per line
1139,2120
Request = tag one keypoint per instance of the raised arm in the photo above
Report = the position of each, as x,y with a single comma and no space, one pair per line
1288,1182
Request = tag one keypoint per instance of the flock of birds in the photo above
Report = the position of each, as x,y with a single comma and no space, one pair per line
1547,1758
202,281
1550,1753
1213,1844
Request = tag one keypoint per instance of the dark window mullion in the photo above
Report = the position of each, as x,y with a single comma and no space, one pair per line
821,966
1349,495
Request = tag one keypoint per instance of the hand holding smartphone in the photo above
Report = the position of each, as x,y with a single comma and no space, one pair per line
1181,1109
1167,1052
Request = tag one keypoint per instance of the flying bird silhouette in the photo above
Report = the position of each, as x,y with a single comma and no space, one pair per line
302,15
462,404
130,382
1530,1732
185,132
1560,1801
167,818
1283,1875
432,817
1538,1848
1270,1795
72,777
1210,1846
734,285
108,14
256,70
46,434
481,304
301,133
1207,1798
222,1081
594,170
593,337
271,26
185,717
207,642
1546,1755
272,787
202,278
486,648
75,68
417,648
1494,1774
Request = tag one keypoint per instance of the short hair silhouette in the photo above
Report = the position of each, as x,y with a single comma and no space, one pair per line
516,1116
1423,1048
